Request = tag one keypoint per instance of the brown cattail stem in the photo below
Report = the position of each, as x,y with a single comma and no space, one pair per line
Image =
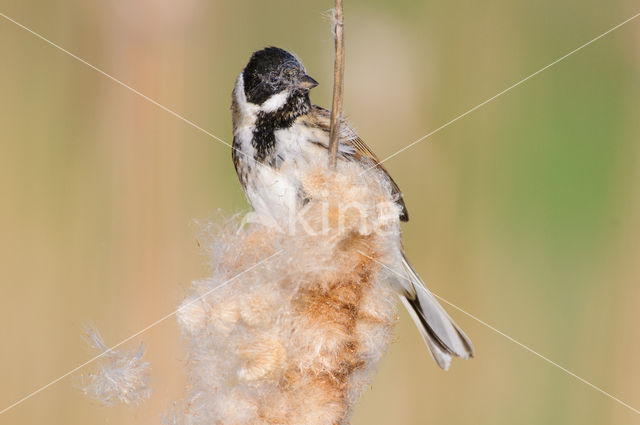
338,84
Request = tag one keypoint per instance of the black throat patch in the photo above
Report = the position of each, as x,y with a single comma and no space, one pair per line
264,139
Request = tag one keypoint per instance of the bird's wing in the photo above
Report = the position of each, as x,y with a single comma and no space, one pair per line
353,147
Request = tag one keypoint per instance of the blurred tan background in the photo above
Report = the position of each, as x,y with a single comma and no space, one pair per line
524,213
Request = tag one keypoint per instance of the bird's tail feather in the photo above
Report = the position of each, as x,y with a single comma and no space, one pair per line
441,334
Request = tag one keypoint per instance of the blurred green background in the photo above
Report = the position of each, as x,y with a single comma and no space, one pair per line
524,213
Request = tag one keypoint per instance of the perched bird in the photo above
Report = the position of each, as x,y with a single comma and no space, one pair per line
277,132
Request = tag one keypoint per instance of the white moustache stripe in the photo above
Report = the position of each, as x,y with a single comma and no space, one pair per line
275,102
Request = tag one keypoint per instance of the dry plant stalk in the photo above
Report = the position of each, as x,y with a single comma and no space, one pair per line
295,340
338,83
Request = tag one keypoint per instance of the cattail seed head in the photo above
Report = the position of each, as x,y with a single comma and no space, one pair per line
294,340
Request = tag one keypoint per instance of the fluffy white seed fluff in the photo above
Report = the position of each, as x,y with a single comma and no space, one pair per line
122,376
294,341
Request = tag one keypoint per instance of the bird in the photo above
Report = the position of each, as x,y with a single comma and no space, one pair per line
276,130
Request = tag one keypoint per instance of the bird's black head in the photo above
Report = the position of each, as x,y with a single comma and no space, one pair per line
272,71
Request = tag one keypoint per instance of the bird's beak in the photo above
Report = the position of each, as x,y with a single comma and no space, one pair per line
307,82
